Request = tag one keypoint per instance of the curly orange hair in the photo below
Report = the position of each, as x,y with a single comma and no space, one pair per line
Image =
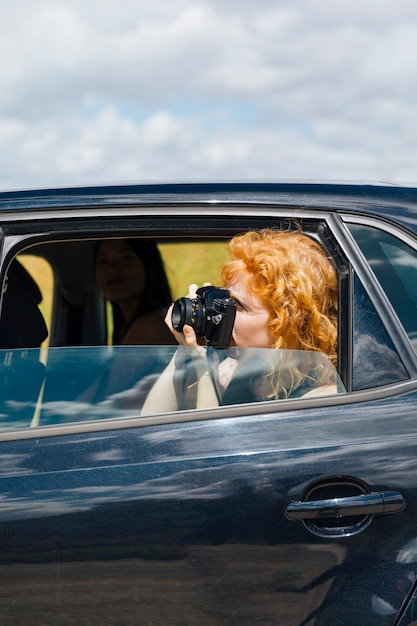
295,280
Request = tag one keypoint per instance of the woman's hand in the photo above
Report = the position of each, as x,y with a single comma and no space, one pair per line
188,336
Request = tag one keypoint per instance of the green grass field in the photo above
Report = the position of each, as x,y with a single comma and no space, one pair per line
192,263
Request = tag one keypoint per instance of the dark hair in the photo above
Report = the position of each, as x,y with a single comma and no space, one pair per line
157,293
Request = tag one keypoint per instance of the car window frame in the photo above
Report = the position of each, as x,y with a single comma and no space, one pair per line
140,220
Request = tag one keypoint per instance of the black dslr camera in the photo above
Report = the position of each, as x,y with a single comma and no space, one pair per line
211,314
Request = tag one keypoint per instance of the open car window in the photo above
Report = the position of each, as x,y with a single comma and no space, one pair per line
77,384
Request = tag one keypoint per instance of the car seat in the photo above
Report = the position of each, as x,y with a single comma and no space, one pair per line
21,323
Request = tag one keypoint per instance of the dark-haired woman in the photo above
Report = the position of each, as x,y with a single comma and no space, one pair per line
130,274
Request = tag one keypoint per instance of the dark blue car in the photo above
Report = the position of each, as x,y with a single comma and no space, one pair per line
301,511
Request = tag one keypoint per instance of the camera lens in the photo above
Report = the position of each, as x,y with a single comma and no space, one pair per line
190,312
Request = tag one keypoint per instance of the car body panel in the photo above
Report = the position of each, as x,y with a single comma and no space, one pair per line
195,496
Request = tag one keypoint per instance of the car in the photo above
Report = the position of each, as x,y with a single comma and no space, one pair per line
300,511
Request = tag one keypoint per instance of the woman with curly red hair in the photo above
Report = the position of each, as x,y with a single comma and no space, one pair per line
285,291
289,274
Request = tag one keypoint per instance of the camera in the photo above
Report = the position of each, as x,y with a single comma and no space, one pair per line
211,313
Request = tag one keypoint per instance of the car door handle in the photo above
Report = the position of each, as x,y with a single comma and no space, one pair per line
373,503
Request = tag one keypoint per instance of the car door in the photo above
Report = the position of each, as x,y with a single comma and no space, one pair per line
244,517
289,512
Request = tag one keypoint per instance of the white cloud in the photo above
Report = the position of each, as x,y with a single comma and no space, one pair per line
182,90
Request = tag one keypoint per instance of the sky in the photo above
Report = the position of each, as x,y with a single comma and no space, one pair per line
96,91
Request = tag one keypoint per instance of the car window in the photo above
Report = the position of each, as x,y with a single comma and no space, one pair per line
375,359
77,384
395,265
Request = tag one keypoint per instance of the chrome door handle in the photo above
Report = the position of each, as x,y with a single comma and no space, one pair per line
374,503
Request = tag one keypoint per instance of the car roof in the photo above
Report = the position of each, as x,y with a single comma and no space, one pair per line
393,202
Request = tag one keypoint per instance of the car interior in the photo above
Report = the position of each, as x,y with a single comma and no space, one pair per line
62,310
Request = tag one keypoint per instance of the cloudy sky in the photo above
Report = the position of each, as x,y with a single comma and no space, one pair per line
123,90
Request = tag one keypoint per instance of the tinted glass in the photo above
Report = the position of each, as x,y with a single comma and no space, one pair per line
395,265
62,385
375,360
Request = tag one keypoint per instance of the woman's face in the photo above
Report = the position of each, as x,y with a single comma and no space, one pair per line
250,329
120,273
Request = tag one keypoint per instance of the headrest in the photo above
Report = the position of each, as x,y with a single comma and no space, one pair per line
21,323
